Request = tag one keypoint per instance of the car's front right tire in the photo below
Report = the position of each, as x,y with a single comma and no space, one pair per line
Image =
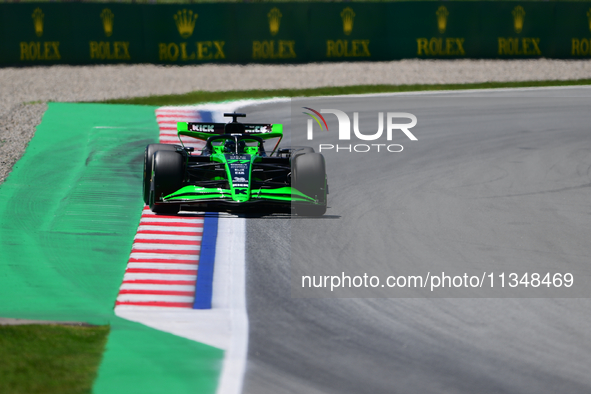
148,156
167,178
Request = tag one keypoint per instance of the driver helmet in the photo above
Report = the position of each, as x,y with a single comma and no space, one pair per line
230,146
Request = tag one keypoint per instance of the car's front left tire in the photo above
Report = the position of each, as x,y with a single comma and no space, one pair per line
309,177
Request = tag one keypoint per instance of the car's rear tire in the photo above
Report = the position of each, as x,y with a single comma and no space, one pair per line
309,177
148,156
167,178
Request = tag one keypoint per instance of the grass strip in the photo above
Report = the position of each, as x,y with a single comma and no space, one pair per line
47,359
203,97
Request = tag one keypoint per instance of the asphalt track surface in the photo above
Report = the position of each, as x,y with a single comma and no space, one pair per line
499,177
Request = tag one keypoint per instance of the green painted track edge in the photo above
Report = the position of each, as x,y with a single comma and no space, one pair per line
69,211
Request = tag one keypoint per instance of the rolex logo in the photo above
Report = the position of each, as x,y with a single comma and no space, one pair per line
38,21
348,15
274,19
442,14
589,18
518,15
107,17
185,22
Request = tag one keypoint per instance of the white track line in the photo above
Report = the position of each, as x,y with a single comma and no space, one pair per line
230,266
145,276
135,286
170,256
168,229
153,297
162,246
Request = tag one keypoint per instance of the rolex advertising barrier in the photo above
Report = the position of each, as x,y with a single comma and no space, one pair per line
83,33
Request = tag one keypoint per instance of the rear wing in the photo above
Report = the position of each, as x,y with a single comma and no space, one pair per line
203,131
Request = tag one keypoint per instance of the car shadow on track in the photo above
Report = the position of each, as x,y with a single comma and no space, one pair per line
290,217
272,216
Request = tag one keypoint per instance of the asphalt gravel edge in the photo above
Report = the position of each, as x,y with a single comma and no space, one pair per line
17,127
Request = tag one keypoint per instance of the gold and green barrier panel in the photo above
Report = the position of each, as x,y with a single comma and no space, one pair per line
50,33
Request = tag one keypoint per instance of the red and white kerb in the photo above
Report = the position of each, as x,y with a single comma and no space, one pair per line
164,259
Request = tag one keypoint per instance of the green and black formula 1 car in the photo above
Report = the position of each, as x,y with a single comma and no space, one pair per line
234,173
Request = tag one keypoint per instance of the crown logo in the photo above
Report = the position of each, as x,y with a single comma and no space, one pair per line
274,18
348,15
518,15
107,16
185,22
38,21
442,14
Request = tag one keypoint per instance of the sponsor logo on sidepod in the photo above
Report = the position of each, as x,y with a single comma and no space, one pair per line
345,130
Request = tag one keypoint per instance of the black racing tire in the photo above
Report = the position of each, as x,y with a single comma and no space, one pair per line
167,178
309,177
148,155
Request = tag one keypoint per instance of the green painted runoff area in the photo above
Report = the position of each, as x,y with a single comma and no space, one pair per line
68,212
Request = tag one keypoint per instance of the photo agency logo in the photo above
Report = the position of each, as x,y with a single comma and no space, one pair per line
380,143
